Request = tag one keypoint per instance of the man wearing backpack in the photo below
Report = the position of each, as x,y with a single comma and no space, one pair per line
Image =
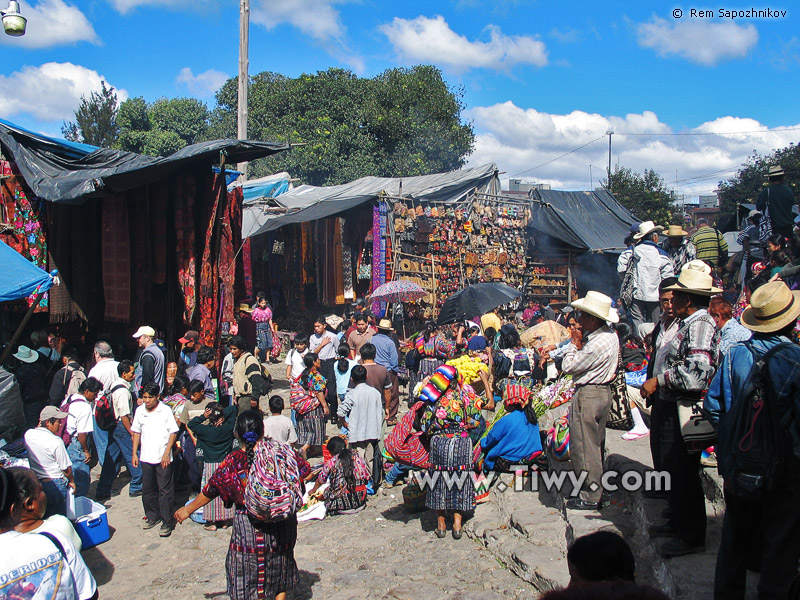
247,379
768,519
68,378
105,371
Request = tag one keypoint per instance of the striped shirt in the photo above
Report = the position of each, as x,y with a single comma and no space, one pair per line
595,363
709,243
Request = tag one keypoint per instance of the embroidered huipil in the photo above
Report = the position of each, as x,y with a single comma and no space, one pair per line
692,358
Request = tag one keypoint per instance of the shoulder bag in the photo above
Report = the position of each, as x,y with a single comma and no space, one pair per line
627,287
619,414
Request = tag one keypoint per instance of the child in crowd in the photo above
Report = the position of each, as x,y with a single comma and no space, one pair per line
155,430
347,474
214,434
344,365
278,427
294,358
187,471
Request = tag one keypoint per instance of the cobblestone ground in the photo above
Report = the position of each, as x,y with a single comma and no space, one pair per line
383,552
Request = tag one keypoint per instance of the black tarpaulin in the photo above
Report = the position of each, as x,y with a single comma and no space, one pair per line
61,171
591,221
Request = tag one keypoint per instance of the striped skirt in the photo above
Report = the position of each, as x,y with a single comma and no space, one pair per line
311,427
214,510
260,562
451,460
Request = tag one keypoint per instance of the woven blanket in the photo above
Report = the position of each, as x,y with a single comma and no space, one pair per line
116,259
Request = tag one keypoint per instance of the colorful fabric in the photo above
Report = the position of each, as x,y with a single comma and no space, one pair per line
248,267
451,454
692,358
439,382
185,201
274,490
311,427
214,510
456,410
517,394
404,444
262,315
339,496
116,259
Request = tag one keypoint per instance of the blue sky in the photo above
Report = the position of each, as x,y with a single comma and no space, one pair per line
541,79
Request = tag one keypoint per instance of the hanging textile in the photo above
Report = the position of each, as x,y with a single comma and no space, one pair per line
347,272
378,253
139,221
307,253
336,269
185,250
116,258
159,202
248,268
230,243
209,268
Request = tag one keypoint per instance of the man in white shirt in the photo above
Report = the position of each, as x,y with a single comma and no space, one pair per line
155,427
294,358
34,565
79,425
120,443
105,371
48,458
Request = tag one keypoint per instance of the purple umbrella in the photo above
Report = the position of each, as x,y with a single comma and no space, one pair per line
398,291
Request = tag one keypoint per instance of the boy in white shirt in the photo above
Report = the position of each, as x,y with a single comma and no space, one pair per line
79,425
278,427
48,458
294,358
155,427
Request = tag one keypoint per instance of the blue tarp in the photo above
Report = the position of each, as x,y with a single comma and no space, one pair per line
19,278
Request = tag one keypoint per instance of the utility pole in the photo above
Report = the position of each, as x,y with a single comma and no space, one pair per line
609,133
244,78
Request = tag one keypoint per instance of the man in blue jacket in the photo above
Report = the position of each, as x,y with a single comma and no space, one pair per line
772,524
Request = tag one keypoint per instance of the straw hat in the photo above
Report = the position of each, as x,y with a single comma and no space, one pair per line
334,320
26,355
695,281
697,265
775,171
645,228
773,306
243,307
597,305
385,324
676,231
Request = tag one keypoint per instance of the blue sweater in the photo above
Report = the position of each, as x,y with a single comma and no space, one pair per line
512,438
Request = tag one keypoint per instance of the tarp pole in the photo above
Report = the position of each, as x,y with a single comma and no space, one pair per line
15,338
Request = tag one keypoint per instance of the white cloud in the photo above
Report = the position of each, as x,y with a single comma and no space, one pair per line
124,6
431,40
53,23
518,139
705,43
50,92
203,84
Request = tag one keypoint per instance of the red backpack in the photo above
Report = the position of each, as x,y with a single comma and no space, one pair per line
104,409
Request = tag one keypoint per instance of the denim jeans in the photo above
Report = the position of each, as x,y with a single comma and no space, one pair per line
101,438
119,451
80,470
56,492
396,472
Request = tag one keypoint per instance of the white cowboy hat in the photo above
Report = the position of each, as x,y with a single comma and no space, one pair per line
26,355
645,228
773,306
697,265
597,305
695,281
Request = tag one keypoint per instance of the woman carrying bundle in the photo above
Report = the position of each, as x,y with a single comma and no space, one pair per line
432,350
308,402
347,474
260,562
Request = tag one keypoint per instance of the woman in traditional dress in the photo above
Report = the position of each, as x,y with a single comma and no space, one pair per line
453,410
265,334
311,425
347,474
433,350
260,562
214,433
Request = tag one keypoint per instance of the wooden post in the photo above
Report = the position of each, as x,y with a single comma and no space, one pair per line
244,78
15,338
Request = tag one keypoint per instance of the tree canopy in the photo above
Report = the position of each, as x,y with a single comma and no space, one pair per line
401,122
95,119
646,196
163,127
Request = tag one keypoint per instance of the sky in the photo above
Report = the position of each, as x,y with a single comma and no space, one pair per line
687,94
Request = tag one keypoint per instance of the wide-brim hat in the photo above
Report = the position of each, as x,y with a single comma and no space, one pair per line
334,320
775,171
26,355
676,231
694,281
385,324
597,305
645,228
773,306
245,308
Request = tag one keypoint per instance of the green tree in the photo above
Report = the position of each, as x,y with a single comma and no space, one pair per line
95,119
163,127
751,178
646,196
402,122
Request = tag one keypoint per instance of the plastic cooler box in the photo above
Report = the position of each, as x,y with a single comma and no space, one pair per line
91,522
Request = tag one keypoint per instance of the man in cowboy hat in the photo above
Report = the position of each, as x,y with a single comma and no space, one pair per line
678,248
753,240
591,358
387,356
776,201
772,524
691,362
651,265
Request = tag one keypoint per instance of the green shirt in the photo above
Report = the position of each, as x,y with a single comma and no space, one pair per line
709,244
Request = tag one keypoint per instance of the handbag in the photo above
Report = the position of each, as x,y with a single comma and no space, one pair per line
301,400
696,430
619,413
627,286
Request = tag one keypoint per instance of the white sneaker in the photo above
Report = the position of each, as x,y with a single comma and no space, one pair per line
635,435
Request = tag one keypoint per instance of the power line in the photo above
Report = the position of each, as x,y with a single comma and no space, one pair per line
558,157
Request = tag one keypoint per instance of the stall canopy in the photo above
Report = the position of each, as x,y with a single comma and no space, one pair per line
21,278
592,221
264,188
61,171
309,203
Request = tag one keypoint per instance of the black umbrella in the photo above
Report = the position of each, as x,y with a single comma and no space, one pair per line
475,300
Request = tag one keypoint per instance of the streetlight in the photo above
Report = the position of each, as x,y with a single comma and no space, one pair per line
13,21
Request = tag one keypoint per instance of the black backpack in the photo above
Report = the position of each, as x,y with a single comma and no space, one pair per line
502,365
752,443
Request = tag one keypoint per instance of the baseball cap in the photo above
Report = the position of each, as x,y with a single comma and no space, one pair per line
190,336
51,412
145,330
